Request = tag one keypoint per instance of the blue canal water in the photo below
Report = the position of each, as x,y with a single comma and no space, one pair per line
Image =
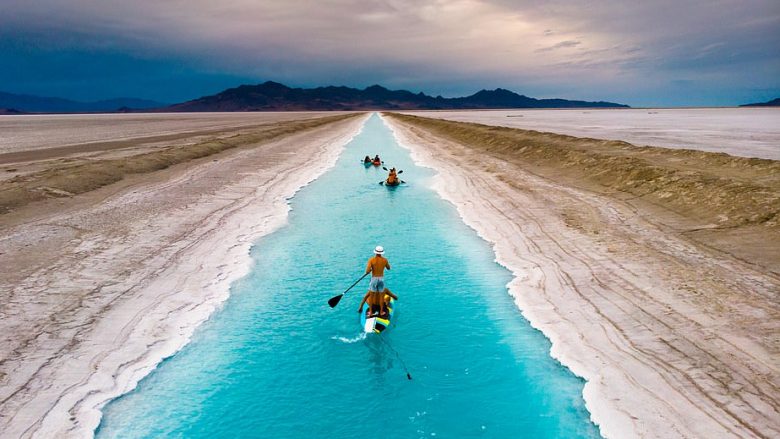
276,361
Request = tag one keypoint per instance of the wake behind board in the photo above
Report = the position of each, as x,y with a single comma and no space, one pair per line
375,323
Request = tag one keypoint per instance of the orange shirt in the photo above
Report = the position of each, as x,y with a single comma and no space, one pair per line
376,265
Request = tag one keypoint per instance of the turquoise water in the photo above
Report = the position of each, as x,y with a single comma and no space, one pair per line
277,362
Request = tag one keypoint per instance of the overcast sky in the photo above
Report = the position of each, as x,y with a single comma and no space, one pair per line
642,53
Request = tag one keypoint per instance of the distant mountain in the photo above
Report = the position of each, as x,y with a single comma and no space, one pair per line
273,96
773,103
39,104
4,111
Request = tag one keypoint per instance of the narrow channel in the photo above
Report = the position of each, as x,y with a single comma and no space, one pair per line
277,361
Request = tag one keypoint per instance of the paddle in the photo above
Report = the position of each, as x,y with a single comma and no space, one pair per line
333,301
397,355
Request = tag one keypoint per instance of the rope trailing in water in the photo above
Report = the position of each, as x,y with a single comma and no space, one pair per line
387,343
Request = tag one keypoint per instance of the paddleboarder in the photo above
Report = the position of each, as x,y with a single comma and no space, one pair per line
378,300
376,266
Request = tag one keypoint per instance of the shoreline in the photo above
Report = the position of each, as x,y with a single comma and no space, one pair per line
564,267
153,311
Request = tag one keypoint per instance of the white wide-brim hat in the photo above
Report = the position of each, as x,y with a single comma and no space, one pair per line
379,250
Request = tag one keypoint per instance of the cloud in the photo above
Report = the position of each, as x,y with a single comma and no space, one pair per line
561,45
433,45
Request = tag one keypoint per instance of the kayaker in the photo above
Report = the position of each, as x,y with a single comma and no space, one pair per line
377,159
367,159
376,266
378,299
392,177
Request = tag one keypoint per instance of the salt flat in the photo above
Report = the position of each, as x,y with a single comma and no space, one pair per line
40,131
674,330
97,287
746,132
652,270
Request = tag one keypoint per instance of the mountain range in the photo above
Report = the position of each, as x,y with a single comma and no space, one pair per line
273,96
773,103
18,103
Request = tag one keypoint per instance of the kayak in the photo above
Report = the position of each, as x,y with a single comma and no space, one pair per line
376,162
377,324
367,164
398,182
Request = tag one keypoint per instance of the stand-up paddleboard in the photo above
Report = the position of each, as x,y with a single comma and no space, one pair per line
373,323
